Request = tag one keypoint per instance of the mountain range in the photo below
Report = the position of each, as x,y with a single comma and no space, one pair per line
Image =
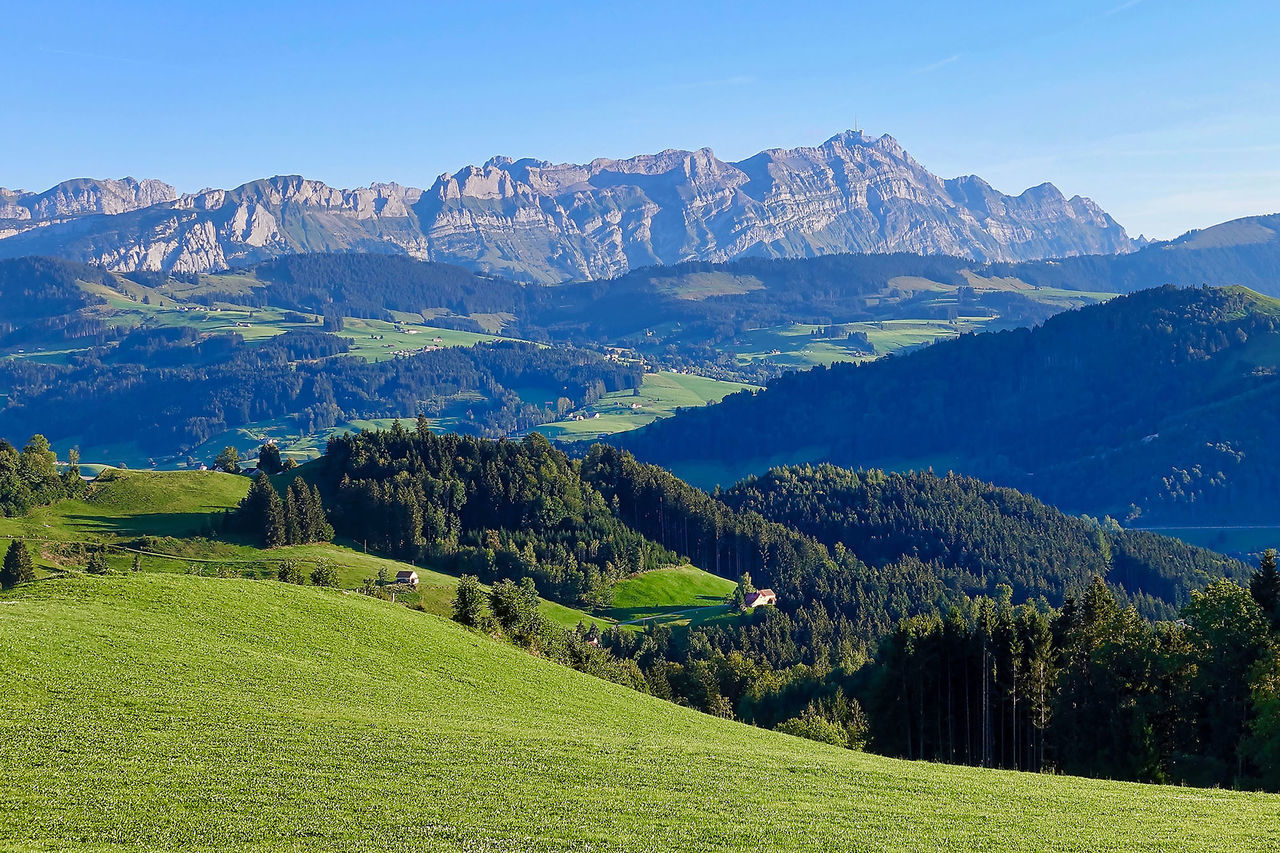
531,220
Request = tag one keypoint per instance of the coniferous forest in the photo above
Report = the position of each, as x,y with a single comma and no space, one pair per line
919,616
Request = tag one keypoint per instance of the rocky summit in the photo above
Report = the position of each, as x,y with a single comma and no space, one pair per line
536,221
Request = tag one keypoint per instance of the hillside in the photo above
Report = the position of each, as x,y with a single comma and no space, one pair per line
1243,251
977,536
326,721
1149,408
537,221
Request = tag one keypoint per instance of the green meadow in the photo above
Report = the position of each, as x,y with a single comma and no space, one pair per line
158,712
659,396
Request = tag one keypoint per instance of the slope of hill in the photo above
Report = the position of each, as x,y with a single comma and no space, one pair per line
1243,251
537,221
977,536
156,712
1152,406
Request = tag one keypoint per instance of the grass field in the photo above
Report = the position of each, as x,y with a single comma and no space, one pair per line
659,397
154,712
666,595
796,345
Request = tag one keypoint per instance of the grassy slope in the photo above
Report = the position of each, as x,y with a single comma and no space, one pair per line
161,712
668,592
660,395
128,504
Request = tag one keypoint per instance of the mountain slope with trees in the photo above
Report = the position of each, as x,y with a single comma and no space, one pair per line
1153,406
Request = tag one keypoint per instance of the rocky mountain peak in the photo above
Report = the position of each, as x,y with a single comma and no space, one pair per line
84,197
534,220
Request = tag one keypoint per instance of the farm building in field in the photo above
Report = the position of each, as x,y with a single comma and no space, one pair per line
761,596
407,577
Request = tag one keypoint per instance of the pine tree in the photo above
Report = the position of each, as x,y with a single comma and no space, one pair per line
324,574
18,566
97,564
261,513
1264,586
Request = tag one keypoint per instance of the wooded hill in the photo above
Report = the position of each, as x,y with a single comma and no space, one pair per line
845,654
1152,406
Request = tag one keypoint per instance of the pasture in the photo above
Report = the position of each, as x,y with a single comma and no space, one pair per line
149,712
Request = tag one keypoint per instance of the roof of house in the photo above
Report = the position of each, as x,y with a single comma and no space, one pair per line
406,573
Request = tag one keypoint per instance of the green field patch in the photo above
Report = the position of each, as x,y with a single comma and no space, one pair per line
704,285
668,594
659,396
379,340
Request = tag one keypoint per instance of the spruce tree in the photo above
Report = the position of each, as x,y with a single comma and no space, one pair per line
17,567
1264,586
97,564
294,532
261,513
321,529
324,574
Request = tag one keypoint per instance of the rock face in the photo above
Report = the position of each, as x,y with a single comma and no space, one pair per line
82,197
538,221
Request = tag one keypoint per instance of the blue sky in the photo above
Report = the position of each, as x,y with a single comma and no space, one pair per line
1164,111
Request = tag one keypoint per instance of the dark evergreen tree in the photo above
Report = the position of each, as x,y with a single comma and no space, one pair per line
97,564
1264,586
261,514
325,573
269,458
290,571
18,566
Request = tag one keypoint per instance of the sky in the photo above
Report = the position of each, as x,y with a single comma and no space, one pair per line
1165,112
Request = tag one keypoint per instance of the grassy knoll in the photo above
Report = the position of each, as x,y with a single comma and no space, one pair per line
667,593
158,712
659,397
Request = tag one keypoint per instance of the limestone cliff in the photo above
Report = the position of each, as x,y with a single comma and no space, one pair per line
533,220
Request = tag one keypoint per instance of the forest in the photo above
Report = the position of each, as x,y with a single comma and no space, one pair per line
300,375
1148,408
960,622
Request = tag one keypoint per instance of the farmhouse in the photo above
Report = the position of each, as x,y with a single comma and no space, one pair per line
760,597
407,576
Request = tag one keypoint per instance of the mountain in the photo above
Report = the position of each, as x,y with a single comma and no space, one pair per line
537,221
20,210
1153,407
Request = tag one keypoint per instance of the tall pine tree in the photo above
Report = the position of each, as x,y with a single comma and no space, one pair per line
1264,586
18,566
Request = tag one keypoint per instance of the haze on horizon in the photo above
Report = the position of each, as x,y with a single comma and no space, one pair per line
1159,110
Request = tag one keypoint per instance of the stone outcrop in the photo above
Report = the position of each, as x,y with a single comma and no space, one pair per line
538,221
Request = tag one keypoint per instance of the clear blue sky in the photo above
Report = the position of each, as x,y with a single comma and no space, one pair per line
1164,111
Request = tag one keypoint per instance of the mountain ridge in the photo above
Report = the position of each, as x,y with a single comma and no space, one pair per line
532,220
